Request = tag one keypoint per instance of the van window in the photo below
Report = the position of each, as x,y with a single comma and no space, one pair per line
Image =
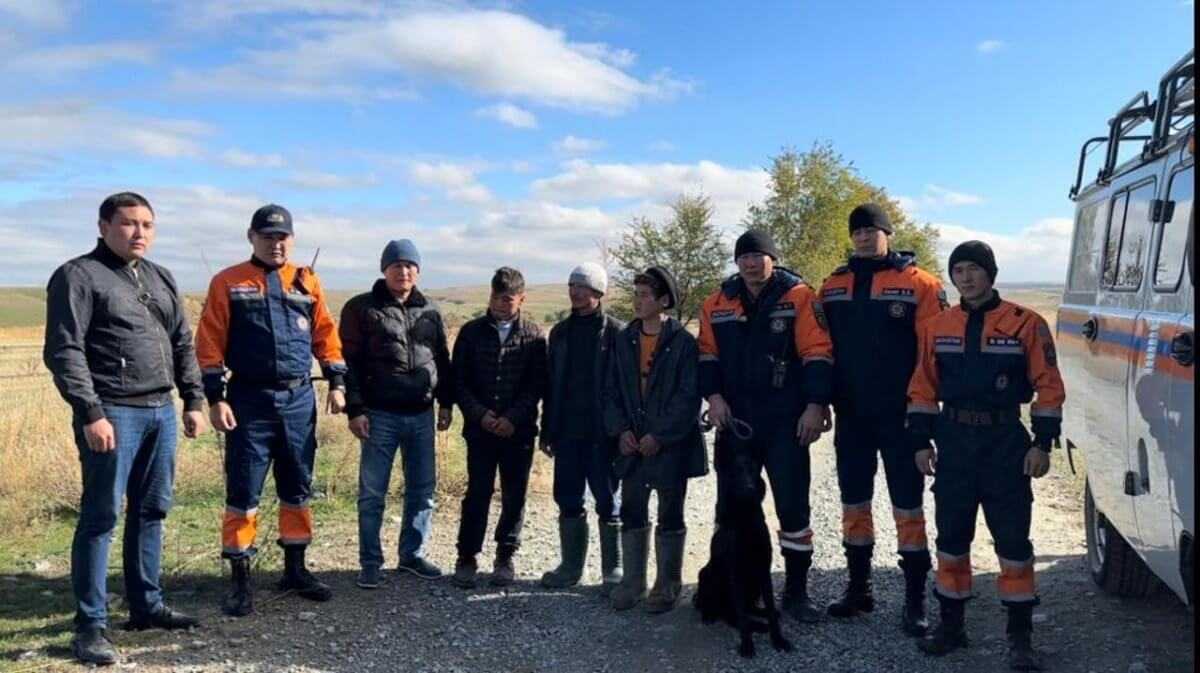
1089,227
1135,241
1172,247
1112,244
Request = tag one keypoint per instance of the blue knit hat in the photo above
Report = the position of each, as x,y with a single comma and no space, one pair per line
402,250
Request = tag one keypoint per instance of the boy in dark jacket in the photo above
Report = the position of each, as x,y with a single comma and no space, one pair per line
652,402
500,372
394,342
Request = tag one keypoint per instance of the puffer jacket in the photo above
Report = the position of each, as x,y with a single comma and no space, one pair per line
397,354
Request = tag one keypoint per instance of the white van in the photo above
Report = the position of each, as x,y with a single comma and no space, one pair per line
1126,343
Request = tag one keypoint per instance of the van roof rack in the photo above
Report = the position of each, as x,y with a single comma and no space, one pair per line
1175,102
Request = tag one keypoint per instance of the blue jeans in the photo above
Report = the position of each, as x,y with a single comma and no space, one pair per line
142,467
579,464
413,435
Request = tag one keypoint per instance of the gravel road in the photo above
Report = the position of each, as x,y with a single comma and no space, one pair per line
418,626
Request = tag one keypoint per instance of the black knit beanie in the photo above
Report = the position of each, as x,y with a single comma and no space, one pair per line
978,252
667,281
870,215
755,240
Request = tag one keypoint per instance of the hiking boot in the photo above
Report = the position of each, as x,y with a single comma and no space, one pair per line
92,646
610,556
421,567
668,581
950,633
465,570
635,548
369,577
163,618
503,571
916,567
858,597
796,602
296,577
1021,655
239,602
573,535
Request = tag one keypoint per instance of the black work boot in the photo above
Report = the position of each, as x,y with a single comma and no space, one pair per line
951,631
92,646
916,567
1021,655
240,600
296,576
858,597
795,593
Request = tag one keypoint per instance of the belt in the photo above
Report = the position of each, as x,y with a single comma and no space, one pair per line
278,384
978,417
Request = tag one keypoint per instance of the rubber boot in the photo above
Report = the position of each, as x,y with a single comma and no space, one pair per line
668,580
573,535
240,600
916,567
858,597
635,548
1021,655
610,556
796,602
951,632
296,576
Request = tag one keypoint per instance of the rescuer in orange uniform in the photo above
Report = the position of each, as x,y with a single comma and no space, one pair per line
766,361
263,321
982,360
874,306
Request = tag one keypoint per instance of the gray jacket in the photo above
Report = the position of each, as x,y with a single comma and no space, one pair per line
116,336
670,408
558,368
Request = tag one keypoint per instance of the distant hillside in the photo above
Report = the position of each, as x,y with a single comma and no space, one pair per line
22,306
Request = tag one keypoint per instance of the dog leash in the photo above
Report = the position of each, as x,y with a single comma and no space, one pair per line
740,429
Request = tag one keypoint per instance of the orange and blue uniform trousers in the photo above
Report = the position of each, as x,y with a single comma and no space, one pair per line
982,365
263,326
769,357
874,308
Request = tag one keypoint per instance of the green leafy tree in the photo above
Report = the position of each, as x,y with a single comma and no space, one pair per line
807,207
687,244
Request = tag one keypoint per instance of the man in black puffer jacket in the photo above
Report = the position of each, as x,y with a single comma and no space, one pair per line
394,342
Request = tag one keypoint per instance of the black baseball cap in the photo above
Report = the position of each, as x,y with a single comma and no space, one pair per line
272,219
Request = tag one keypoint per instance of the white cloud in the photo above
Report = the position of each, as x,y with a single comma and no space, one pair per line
459,182
488,52
37,13
242,159
54,61
574,145
507,113
936,197
68,125
990,46
1037,253
330,181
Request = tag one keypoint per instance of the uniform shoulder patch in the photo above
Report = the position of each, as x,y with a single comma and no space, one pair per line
834,292
819,314
1049,352
943,300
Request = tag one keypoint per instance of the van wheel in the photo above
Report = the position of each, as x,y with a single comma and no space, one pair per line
1114,565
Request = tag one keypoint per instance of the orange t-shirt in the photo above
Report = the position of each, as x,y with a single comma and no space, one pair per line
649,342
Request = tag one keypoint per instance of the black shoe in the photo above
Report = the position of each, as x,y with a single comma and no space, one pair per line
912,619
795,601
858,597
1021,655
951,632
163,618
296,577
420,567
240,600
93,647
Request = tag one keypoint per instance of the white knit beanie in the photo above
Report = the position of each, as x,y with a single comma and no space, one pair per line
592,275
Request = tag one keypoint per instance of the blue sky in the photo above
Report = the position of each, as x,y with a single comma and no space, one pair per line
525,133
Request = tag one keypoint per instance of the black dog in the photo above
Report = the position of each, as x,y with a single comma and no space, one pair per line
736,585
